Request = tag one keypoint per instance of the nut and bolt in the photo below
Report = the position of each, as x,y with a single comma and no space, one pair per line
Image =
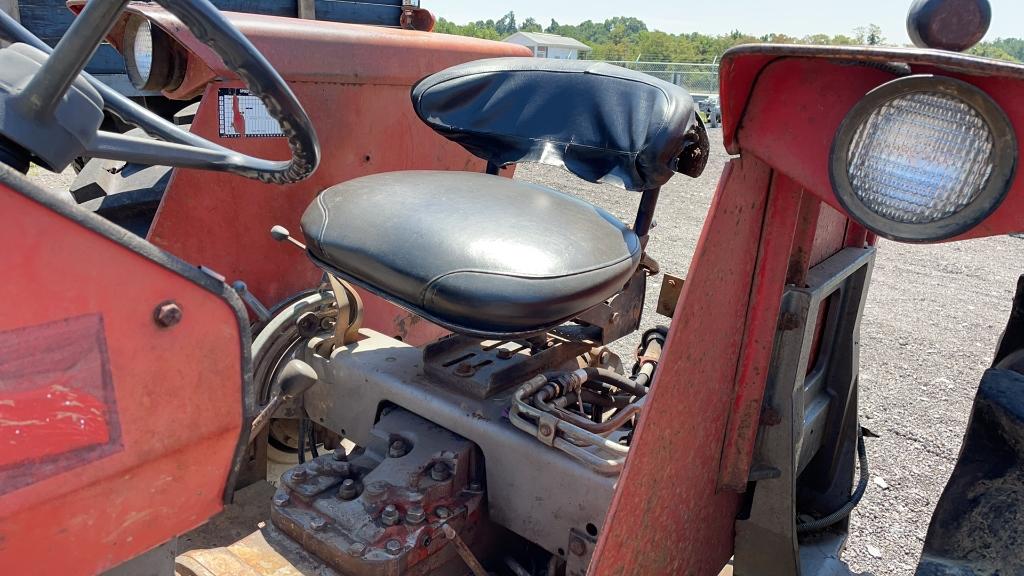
340,455
398,449
415,515
317,524
300,474
505,353
348,490
308,325
167,314
356,549
442,512
577,546
464,369
545,430
376,489
475,486
281,499
394,547
439,471
390,516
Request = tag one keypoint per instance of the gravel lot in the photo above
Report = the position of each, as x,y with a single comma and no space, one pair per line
933,318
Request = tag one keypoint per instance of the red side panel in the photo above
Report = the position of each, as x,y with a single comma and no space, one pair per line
669,488
116,434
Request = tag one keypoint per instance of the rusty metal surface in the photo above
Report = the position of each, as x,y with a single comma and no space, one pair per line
174,410
671,288
776,247
535,491
669,485
388,520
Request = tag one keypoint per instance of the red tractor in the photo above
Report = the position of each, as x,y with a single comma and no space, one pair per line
432,349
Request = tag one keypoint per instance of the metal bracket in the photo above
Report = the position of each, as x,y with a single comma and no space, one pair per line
808,431
671,288
350,312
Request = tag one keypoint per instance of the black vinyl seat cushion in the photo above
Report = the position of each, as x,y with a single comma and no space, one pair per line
479,254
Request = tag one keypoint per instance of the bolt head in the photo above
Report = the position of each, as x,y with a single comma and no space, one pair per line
577,546
300,474
348,490
376,488
464,369
317,524
504,353
415,515
439,472
390,516
398,449
281,499
394,547
167,314
545,429
475,486
442,512
340,455
356,549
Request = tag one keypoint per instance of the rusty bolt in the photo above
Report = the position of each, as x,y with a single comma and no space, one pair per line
167,314
398,449
299,474
415,515
340,455
281,499
356,549
545,430
505,353
390,516
394,547
439,471
348,490
442,512
577,546
464,369
308,324
317,524
376,489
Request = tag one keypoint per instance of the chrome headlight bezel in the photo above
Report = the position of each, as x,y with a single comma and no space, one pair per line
164,71
1002,159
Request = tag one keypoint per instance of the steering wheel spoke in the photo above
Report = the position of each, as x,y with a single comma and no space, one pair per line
43,95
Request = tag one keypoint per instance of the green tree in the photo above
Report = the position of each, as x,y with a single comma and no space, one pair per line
530,25
506,25
870,35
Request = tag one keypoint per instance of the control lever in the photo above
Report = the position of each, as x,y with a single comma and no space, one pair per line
293,381
280,233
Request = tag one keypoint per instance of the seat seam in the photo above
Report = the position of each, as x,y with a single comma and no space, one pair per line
433,281
323,228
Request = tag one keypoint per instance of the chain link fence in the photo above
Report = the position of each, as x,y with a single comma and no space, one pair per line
697,78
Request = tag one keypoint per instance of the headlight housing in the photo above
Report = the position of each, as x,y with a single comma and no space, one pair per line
150,59
923,158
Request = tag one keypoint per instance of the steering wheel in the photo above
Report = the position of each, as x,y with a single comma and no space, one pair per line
50,108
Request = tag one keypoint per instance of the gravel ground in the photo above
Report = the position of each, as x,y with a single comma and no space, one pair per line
932,321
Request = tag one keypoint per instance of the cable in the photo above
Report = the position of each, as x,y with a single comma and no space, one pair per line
862,486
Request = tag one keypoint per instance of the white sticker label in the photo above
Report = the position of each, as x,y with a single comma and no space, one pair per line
243,115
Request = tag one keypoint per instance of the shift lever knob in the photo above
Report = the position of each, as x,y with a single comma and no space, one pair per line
280,233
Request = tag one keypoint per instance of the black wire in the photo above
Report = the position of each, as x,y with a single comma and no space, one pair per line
862,486
303,433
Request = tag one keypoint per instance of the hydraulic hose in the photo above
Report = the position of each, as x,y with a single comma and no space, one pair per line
862,486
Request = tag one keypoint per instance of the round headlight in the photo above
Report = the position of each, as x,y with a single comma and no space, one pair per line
149,57
923,158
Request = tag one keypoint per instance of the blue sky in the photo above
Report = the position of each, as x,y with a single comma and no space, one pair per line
757,17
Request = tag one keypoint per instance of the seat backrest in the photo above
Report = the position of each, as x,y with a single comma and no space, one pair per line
602,122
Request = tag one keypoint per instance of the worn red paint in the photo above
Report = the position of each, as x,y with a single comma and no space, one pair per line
237,118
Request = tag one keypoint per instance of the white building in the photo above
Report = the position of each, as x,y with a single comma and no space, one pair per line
550,45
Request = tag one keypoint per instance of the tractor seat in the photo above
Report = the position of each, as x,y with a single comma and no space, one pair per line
478,254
